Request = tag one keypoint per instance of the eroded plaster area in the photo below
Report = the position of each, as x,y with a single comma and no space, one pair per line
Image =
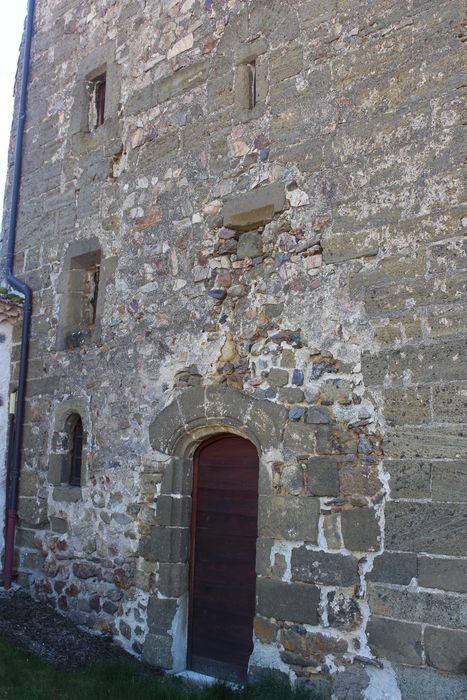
287,268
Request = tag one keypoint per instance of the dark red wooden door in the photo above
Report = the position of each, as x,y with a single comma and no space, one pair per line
222,571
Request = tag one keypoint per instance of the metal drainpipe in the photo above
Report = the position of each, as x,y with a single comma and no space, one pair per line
22,287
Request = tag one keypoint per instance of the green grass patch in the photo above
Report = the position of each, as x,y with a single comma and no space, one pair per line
24,676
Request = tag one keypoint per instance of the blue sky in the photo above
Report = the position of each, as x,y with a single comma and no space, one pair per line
12,15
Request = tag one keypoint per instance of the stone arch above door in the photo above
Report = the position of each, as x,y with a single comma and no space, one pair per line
203,411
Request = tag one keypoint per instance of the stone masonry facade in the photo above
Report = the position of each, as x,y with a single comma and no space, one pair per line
286,266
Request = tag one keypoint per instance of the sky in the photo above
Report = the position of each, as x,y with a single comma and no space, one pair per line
12,16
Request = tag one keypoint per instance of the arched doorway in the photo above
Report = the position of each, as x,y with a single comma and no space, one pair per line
222,563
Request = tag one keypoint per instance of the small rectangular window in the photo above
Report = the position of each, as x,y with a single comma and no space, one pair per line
97,88
76,452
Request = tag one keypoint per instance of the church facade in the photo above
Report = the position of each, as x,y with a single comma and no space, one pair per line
242,225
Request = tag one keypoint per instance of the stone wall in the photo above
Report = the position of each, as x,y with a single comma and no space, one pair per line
290,271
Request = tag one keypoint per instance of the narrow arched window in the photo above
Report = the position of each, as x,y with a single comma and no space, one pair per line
76,451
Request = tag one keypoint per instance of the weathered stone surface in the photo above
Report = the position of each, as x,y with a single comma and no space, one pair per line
299,438
360,529
338,390
432,363
248,211
291,394
32,512
173,579
296,602
449,403
447,574
428,443
173,512
160,613
249,245
166,545
449,481
426,527
288,517
445,649
335,439
400,642
343,611
323,568
278,377
409,478
407,406
350,683
418,606
157,650
394,567
323,476
318,414
416,683
302,649
85,570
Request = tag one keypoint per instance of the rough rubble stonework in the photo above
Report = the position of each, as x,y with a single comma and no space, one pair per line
290,272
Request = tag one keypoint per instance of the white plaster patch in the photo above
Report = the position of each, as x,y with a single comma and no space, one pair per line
383,684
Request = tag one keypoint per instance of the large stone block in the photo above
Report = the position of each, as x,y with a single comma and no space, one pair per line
394,567
245,212
289,517
397,641
390,269
350,684
360,529
33,512
175,512
426,442
157,650
451,322
420,292
267,421
362,244
443,609
450,403
426,527
305,649
449,481
161,612
446,649
166,544
409,478
177,477
295,602
416,683
172,579
323,476
432,363
323,568
407,406
300,438
165,425
447,574
335,439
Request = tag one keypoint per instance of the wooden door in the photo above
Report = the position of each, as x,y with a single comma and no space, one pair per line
223,549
